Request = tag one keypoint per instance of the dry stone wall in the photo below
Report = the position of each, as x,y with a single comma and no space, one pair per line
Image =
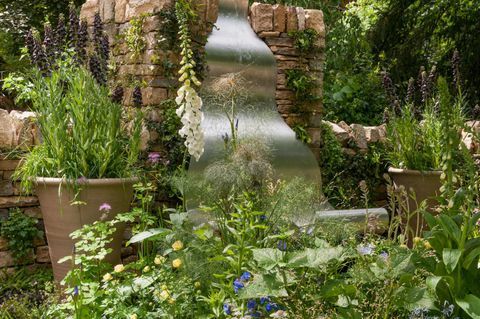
11,197
276,25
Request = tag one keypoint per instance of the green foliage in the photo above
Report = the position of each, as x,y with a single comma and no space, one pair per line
20,230
420,143
302,134
304,40
409,34
134,38
16,18
342,174
24,294
82,130
352,86
302,84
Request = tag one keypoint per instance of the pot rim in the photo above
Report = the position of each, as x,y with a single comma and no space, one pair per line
395,170
88,181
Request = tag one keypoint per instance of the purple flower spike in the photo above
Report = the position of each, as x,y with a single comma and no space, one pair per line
105,207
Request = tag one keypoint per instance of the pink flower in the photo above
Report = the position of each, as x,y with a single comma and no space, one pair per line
105,207
154,157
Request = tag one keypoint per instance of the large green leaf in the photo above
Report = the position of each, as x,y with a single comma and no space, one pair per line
471,257
264,285
449,225
471,305
314,258
450,258
268,258
148,234
415,297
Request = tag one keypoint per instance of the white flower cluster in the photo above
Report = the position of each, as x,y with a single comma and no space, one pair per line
188,101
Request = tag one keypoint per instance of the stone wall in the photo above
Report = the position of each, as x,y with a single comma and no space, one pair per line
12,198
275,25
156,67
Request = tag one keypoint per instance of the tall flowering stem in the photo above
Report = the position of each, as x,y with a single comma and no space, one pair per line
188,101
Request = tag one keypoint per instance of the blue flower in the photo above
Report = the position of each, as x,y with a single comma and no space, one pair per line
75,291
227,309
383,255
271,306
365,250
246,276
263,300
237,285
251,304
282,245
263,218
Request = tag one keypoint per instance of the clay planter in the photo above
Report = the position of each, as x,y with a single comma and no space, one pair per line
424,185
61,218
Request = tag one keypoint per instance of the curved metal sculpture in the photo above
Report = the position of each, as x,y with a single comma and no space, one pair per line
235,53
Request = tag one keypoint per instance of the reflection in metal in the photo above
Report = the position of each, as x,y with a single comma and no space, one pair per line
234,48
373,219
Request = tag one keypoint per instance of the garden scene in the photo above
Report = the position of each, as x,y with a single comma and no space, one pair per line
239,159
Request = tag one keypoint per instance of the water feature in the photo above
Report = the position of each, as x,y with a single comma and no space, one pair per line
235,55
237,58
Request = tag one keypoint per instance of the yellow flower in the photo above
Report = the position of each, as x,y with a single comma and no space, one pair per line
197,284
177,263
133,316
119,268
107,277
416,240
159,260
178,245
427,244
164,287
164,295
146,269
171,301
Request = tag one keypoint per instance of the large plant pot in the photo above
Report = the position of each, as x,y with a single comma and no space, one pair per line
423,186
61,218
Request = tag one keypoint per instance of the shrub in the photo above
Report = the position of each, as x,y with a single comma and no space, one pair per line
20,230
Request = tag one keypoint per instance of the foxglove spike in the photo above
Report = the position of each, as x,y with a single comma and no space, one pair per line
411,91
456,69
73,26
97,71
60,35
97,31
29,43
48,43
105,48
424,86
40,58
82,40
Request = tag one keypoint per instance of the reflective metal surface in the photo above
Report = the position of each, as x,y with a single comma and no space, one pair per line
234,48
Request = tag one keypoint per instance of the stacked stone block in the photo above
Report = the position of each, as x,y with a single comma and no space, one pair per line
11,197
274,24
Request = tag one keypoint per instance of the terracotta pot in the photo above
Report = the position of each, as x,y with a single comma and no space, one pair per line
424,185
61,218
